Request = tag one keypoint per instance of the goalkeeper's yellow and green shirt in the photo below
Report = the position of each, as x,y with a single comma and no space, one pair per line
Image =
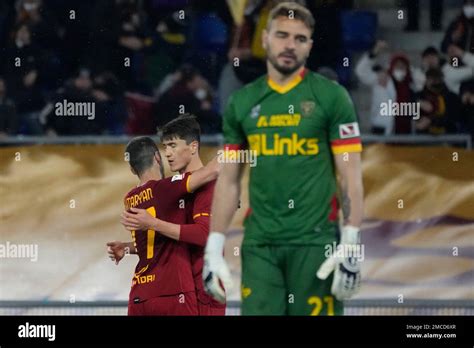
295,130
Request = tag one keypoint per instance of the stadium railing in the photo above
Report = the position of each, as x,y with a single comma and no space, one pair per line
217,139
352,307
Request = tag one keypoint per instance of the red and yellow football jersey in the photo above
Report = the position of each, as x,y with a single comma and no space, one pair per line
164,266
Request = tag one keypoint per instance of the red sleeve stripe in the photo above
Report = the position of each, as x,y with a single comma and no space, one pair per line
233,147
350,141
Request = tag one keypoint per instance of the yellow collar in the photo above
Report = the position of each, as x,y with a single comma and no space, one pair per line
289,85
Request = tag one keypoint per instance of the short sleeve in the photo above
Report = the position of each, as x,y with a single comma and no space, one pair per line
174,187
203,202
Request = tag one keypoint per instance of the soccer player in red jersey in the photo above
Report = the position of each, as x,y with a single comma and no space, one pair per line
163,283
181,140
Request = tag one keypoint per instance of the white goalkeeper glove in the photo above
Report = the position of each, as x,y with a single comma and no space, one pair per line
346,281
215,268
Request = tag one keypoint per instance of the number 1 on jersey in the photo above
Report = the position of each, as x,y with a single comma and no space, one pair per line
150,236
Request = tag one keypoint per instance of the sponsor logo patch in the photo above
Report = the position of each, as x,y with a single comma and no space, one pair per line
349,130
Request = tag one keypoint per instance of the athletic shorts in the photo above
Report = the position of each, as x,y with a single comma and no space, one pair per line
281,280
207,306
181,304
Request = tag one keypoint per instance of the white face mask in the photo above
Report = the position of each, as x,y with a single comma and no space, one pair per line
468,11
30,6
201,94
399,75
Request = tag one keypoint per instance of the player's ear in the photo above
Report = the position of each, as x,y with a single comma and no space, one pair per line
157,157
194,147
264,38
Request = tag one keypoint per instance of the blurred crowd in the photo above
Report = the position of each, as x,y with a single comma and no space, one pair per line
143,62
442,87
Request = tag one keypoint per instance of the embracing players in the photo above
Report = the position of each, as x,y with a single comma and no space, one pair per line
163,283
303,128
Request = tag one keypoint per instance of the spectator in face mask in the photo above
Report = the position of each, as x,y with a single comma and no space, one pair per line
388,85
461,31
439,107
401,75
189,89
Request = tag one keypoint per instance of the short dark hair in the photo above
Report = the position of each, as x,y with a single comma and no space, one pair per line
431,50
184,127
141,151
297,11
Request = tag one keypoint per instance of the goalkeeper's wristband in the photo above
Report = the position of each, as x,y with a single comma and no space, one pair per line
350,235
215,243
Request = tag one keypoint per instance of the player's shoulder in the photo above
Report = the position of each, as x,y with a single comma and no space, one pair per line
327,90
137,189
251,90
323,82
173,180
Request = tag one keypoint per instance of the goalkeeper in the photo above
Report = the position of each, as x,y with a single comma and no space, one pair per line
303,128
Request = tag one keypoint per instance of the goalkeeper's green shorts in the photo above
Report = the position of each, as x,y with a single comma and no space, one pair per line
281,280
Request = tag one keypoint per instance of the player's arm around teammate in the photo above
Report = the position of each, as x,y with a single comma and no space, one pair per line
140,219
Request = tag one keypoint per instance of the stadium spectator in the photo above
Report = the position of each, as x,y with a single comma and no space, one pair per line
190,93
110,104
440,108
43,26
77,90
118,37
461,31
401,75
458,69
170,44
430,59
74,22
23,75
245,49
8,116
394,84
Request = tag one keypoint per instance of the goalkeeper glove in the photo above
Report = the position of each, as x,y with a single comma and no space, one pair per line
215,268
346,282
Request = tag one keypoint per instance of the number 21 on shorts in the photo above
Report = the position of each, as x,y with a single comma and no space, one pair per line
326,302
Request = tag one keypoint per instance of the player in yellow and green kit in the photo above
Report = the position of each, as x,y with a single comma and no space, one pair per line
303,128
